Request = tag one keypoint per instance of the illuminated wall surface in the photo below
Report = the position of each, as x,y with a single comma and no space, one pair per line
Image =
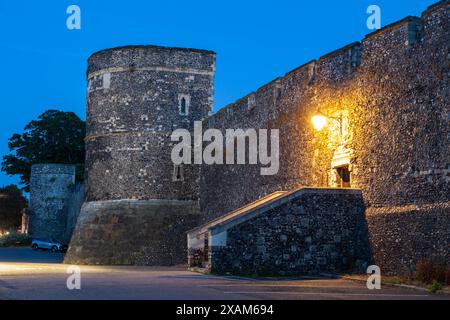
387,132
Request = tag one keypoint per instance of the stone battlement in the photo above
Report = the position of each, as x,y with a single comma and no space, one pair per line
404,31
135,58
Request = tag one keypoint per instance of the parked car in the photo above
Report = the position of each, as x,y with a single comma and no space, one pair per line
48,244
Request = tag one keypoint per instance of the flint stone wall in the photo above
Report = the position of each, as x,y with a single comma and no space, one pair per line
392,91
51,188
318,231
137,209
132,232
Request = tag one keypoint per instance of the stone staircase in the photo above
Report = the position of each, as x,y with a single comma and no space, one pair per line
304,231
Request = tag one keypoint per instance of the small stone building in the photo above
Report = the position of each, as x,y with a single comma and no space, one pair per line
309,230
51,187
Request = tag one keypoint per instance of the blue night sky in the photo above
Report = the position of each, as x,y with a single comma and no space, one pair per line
44,63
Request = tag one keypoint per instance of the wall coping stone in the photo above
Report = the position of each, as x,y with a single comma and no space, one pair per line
229,220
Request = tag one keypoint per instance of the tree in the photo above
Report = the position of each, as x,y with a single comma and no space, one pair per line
56,137
12,202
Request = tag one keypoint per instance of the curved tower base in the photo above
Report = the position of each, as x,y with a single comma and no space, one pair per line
133,232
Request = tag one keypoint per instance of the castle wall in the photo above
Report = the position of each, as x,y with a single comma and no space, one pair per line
401,236
392,92
50,189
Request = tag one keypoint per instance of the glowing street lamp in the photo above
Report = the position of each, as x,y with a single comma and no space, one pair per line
319,122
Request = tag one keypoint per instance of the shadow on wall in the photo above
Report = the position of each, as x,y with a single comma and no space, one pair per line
73,208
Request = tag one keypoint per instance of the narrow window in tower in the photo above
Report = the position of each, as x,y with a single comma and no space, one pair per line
178,173
183,104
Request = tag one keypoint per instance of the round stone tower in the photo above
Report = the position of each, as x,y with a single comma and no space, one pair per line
138,203
50,189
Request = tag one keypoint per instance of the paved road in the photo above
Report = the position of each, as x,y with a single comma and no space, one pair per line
20,280
24,254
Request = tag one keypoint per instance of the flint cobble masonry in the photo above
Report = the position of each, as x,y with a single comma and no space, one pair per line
309,231
389,92
138,204
51,187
